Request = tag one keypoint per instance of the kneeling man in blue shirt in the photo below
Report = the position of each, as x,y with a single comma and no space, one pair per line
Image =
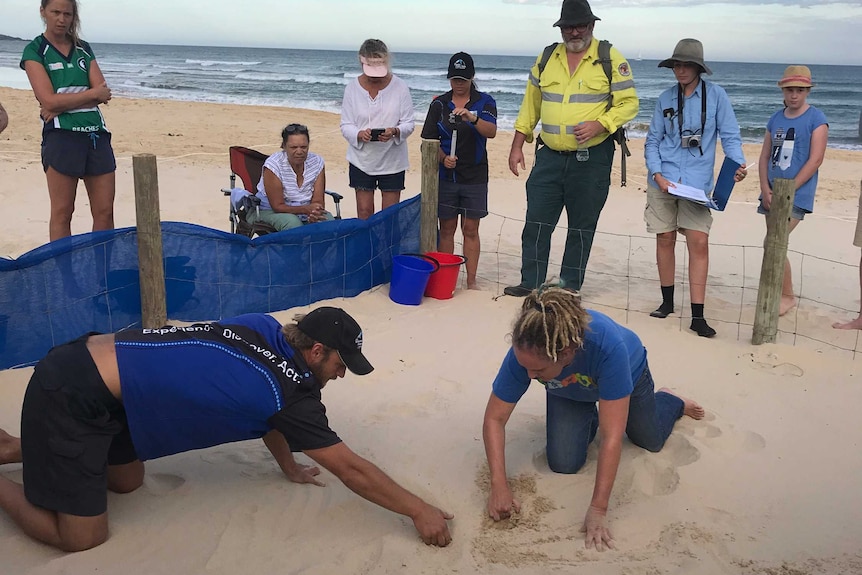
96,408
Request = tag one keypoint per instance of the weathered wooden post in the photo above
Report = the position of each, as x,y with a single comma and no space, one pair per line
150,264
430,193
774,256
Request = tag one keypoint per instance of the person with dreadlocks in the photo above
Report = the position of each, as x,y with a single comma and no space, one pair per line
582,357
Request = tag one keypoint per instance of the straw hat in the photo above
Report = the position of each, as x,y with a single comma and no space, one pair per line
687,50
796,77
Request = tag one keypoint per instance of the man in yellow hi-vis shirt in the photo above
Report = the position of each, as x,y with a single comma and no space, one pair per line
573,161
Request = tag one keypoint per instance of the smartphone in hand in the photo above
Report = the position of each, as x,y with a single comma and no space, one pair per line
375,134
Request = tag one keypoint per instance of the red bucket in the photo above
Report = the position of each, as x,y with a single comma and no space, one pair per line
441,284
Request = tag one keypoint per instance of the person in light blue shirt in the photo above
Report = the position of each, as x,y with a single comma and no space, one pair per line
689,119
582,357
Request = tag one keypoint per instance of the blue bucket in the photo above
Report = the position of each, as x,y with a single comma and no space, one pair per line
410,275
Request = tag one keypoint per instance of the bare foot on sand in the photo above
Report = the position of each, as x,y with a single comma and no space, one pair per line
472,283
855,324
787,303
10,448
691,408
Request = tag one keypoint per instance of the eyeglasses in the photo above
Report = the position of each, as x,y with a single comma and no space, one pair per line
296,129
581,28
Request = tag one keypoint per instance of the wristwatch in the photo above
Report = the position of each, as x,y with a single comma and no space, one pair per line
476,121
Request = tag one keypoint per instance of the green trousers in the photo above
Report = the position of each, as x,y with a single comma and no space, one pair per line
557,181
281,221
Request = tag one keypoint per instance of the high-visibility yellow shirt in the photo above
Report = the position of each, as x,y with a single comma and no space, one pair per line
562,100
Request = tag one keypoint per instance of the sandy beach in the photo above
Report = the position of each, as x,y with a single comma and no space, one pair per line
766,484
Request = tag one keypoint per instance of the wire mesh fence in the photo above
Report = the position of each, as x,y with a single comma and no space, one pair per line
621,275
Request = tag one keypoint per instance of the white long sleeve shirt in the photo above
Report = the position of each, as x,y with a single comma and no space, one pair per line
393,107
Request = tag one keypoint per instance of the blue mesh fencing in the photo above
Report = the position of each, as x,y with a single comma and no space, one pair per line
90,282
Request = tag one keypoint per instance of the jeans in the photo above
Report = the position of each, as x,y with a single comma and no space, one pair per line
572,425
558,181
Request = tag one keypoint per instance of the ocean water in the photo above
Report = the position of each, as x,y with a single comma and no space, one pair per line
315,79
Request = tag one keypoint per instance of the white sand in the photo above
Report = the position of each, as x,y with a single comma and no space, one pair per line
768,483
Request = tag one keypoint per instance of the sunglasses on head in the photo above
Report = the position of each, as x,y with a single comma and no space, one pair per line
296,128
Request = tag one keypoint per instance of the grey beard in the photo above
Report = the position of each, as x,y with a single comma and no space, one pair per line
578,45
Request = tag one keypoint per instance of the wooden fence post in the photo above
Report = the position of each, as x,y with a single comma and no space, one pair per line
150,258
430,193
774,256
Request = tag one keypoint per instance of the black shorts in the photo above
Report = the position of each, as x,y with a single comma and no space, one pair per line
359,180
471,200
72,428
78,154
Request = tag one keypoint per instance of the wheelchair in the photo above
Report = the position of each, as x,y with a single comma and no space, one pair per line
248,165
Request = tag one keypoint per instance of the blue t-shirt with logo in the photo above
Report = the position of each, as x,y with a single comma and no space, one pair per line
611,360
798,130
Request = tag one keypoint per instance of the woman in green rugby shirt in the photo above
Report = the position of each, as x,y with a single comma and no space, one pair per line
76,143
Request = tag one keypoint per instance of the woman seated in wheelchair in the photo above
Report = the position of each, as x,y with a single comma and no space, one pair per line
292,184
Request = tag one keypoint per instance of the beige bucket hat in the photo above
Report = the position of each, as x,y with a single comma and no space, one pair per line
687,50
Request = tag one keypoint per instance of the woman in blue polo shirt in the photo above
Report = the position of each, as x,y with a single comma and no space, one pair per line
582,357
472,115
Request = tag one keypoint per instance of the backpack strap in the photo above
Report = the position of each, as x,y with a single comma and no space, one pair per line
620,135
546,55
605,60
543,61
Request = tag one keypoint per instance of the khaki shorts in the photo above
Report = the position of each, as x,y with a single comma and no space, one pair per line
857,239
667,213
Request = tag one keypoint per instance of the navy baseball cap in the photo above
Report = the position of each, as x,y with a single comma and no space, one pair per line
461,66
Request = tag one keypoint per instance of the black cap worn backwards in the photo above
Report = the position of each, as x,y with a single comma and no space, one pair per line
333,327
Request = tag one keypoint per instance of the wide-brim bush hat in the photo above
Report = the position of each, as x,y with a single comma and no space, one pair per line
575,13
687,50
796,77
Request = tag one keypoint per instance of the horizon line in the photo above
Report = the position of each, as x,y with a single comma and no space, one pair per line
413,51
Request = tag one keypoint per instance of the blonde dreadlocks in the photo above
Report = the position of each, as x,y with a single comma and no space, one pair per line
551,319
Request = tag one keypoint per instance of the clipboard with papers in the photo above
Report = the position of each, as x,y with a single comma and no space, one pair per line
721,193
692,194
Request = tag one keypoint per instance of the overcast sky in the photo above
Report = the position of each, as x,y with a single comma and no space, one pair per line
804,31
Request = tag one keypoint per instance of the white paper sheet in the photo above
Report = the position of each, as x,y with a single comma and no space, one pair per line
692,194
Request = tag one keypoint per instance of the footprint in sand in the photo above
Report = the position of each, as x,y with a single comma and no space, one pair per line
772,364
655,473
700,429
724,438
162,483
707,431
747,441
654,477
